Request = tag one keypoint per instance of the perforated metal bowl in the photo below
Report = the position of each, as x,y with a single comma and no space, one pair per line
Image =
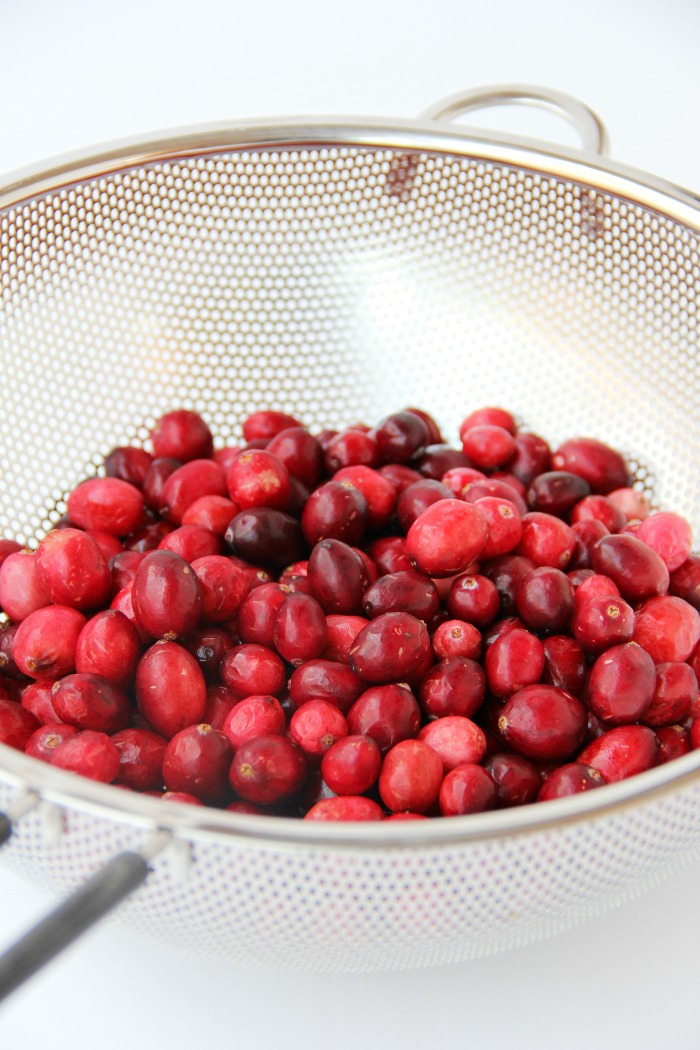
340,270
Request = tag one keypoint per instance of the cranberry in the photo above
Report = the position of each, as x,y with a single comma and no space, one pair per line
8,667
400,437
128,464
386,713
515,660
350,766
223,587
147,538
267,424
108,505
455,739
342,632
517,780
446,538
389,554
668,628
492,488
601,466
258,613
621,684
676,688
325,680
599,508
570,779
110,546
391,648
488,416
409,592
501,627
160,470
669,535
587,533
73,570
593,586
410,777
45,643
399,476
191,542
43,741
507,573
504,524
545,600
546,540
467,789
337,577
38,699
601,622
336,510
208,645
378,491
458,479
182,797
8,547
109,646
543,723
183,435
488,446
123,604
556,492
315,726
299,452
456,638
510,479
564,664
352,447
141,754
674,741
685,581
166,595
189,483
300,632
211,512
418,497
220,702
170,688
253,669
266,537
257,478
90,753
254,716
453,687
346,807
268,769
622,752
17,724
22,589
533,456
438,459
197,761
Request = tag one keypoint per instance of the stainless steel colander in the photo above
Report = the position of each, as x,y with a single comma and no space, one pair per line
340,270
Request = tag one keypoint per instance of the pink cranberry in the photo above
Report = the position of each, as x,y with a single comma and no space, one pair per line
515,660
546,540
488,446
254,716
90,753
22,590
633,504
545,599
316,726
676,689
351,765
109,646
601,622
543,723
621,684
668,628
489,416
108,505
166,595
517,780
556,492
570,779
300,632
410,592
669,535
45,643
410,777
253,669
637,570
73,570
183,435
453,687
8,547
266,537
468,788
170,688
325,680
337,577
622,752
391,648
197,761
268,769
44,740
446,538
17,724
345,807
532,457
267,424
188,484
564,664
601,466
455,739
386,713
685,581
141,754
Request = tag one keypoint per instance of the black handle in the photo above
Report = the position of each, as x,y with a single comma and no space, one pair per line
5,828
94,899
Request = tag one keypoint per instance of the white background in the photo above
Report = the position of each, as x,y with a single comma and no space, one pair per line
73,74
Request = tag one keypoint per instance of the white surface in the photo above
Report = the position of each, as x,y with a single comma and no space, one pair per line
73,74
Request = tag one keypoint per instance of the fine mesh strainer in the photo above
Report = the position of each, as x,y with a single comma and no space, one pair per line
340,270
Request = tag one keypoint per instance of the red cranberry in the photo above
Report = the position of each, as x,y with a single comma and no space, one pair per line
391,648
300,452
109,646
601,622
8,547
45,643
599,508
170,688
181,797
676,688
160,470
389,554
489,416
668,628
386,713
257,478
399,476
43,741
141,754
501,627
220,702
622,752
378,491
504,525
459,478
418,497
8,667
532,457
123,604
453,687
546,540
223,587
266,537
267,424
467,789
342,632
556,492
300,631
409,592
108,505
268,769
346,807
37,698
258,613
455,739
189,483
685,581
517,780
400,437
438,459
90,753
73,570
513,661
543,723
351,765
674,741
637,570
601,466
110,546
22,589
492,488
336,510
254,716
325,680
211,512
456,638
631,502
410,777
669,535
253,669
488,446
147,538
446,538
593,586
197,761
587,533
183,435
564,664
337,577
510,479
191,542
621,684
17,724
570,779
352,447
128,464
315,726
166,595
545,599
506,573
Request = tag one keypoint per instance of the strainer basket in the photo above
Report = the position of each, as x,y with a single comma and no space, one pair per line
339,270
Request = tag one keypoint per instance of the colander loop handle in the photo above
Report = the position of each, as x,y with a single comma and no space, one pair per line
592,131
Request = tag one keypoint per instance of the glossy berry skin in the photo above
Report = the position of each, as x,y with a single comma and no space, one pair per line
351,765
400,437
337,577
189,483
668,628
506,573
543,723
254,716
599,508
258,613
191,542
300,452
91,754
344,808
456,686
570,779
504,525
517,779
266,424
436,460
158,473
166,595
410,592
73,570
391,648
197,761
148,538
22,590
389,554
183,435
564,664
37,699
416,498
141,753
211,512
352,447
316,726
387,714
621,684
622,752
223,587
601,622
109,646
170,688
45,643
515,660
676,689
128,463
266,537
410,777
446,538
490,415
674,741
488,445
342,633
456,638
325,680
43,741
336,510
257,478
545,600
300,632
632,565
533,456
601,466
685,581
17,724
587,534
378,491
268,769
455,739
546,540
107,505
468,788
88,701
556,492
473,598
253,669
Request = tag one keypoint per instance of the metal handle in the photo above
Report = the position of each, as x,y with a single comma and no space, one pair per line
592,131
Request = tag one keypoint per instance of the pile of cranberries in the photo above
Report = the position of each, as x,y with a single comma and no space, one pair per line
362,624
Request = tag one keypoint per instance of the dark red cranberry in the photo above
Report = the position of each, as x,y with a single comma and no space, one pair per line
601,622
456,740
90,753
170,688
436,460
351,765
468,788
533,456
545,600
158,473
601,466
268,769
325,680
587,533
543,723
220,702
685,581
166,595
45,643
8,667
183,435
141,754
17,724
197,761
253,669
517,780
387,714
266,537
109,646
300,632
674,741
44,740
570,779
108,505
457,638
300,452
501,627
254,716
410,592
335,510
337,577
391,648
418,497
556,492
316,726
676,689
378,491
389,554
488,446
546,540
446,538
399,476
267,424
434,434
400,437
345,807
504,524
258,613
564,664
668,628
453,687
514,660
128,463
148,538
506,573
352,447
621,684
208,645
22,589
622,752
491,415
73,570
